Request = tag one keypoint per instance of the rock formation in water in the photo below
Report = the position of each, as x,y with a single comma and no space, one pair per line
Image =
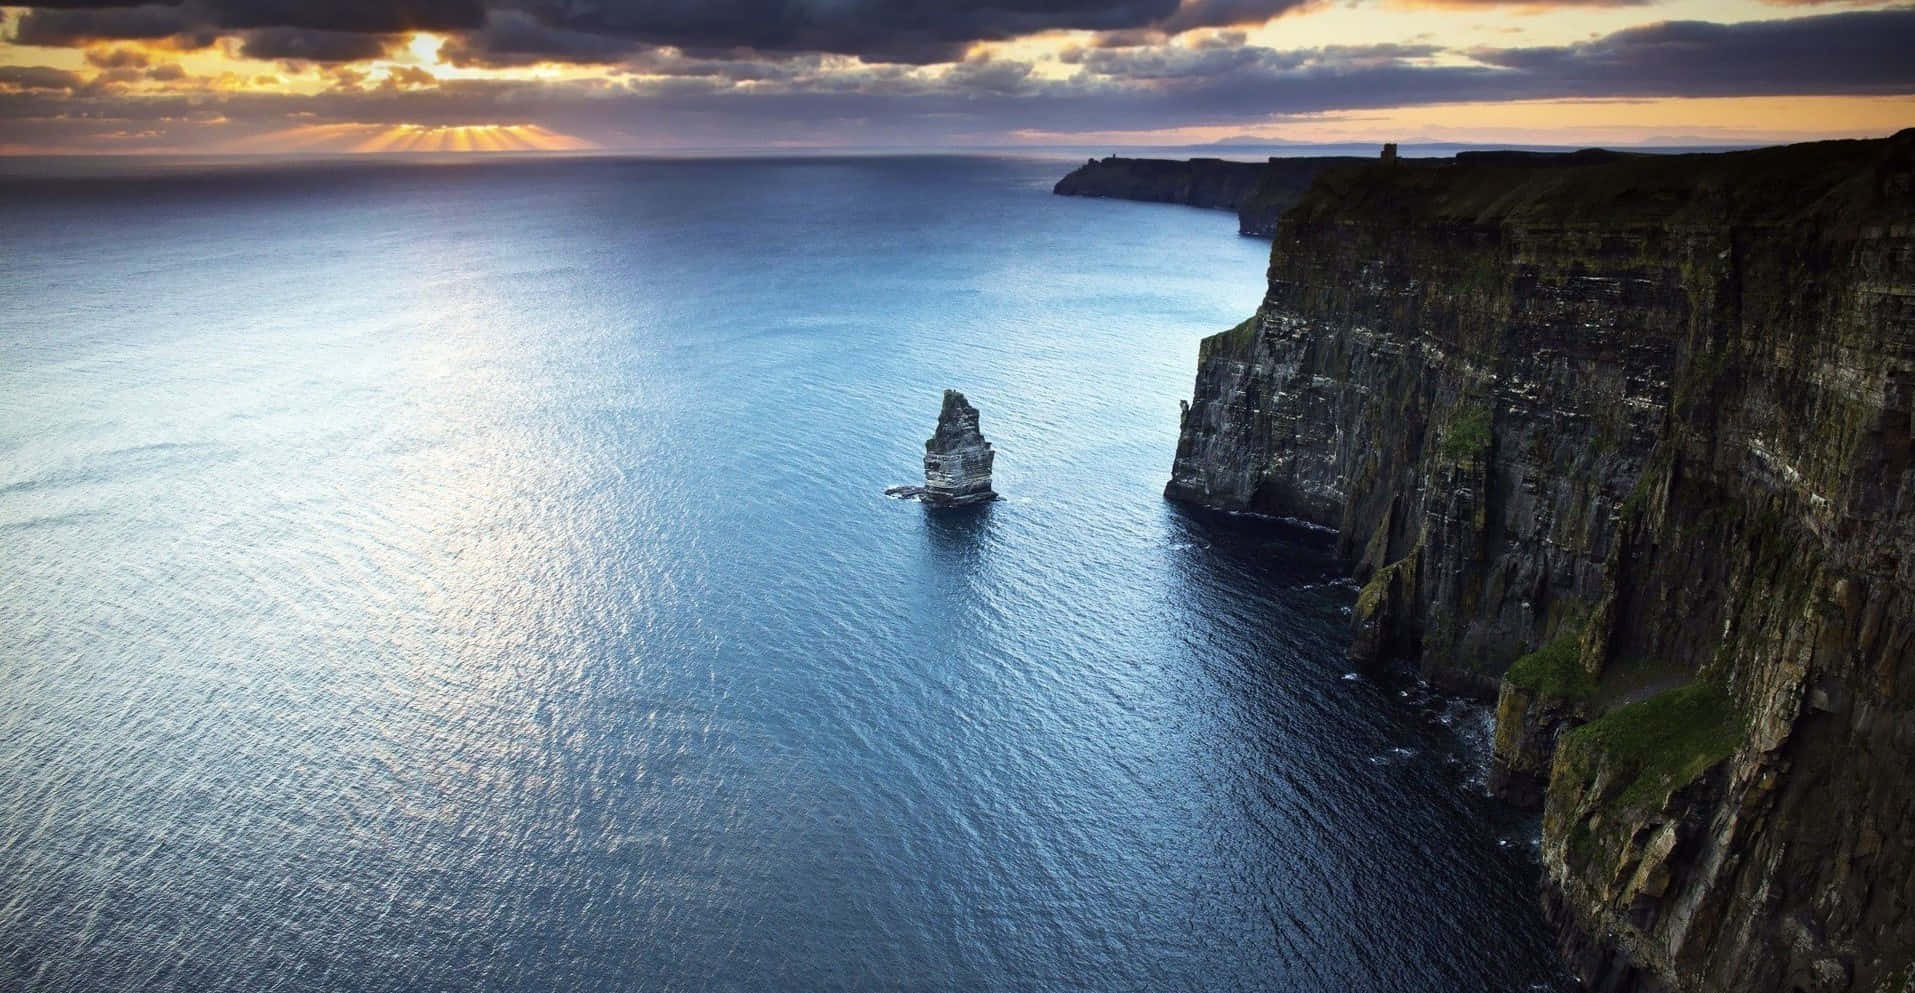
1258,192
957,459
1626,440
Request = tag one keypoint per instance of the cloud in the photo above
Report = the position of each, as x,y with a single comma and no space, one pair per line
407,78
102,4
197,23
118,58
660,93
912,31
26,78
1536,5
66,28
306,45
1846,53
988,75
516,38
364,16
1226,13
518,32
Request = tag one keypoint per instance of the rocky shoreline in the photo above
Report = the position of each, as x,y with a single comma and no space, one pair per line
1625,441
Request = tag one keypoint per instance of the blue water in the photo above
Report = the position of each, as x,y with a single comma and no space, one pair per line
477,577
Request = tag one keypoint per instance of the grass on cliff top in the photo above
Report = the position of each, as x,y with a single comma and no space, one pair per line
1241,337
1829,180
1662,743
1554,670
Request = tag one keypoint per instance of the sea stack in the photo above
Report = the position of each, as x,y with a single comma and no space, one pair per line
957,459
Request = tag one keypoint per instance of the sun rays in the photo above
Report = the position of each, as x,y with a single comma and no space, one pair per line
375,139
470,138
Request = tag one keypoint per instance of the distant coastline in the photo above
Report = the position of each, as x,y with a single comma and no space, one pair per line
1259,192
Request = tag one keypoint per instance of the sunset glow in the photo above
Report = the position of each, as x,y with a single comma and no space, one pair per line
373,138
207,76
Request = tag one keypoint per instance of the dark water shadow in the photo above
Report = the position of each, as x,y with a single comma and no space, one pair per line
1246,548
958,536
1370,770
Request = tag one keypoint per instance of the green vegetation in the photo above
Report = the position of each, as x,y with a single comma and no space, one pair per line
1636,677
1244,335
1662,743
1466,434
1373,592
1554,670
1607,190
1660,460
1582,839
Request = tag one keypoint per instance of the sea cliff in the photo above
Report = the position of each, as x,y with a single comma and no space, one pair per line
1625,441
1258,191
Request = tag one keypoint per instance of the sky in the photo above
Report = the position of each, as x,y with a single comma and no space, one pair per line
671,76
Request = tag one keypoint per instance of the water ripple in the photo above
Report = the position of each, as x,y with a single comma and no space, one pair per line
476,577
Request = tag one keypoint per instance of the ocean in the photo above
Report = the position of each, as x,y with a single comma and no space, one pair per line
476,575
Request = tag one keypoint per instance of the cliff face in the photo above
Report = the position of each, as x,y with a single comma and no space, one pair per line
1626,441
1259,192
1280,185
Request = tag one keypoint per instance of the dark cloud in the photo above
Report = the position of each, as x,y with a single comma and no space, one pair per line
368,16
38,78
1858,52
755,69
1168,62
1128,39
999,76
118,58
516,32
112,79
919,31
516,38
182,27
1225,13
408,77
306,45
102,4
690,98
197,23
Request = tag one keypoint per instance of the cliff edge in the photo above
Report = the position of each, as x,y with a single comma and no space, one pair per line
1258,191
1625,441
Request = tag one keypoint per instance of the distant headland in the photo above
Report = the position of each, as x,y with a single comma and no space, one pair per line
1258,191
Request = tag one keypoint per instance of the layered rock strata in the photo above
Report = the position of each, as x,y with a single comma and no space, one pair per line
1627,442
957,459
